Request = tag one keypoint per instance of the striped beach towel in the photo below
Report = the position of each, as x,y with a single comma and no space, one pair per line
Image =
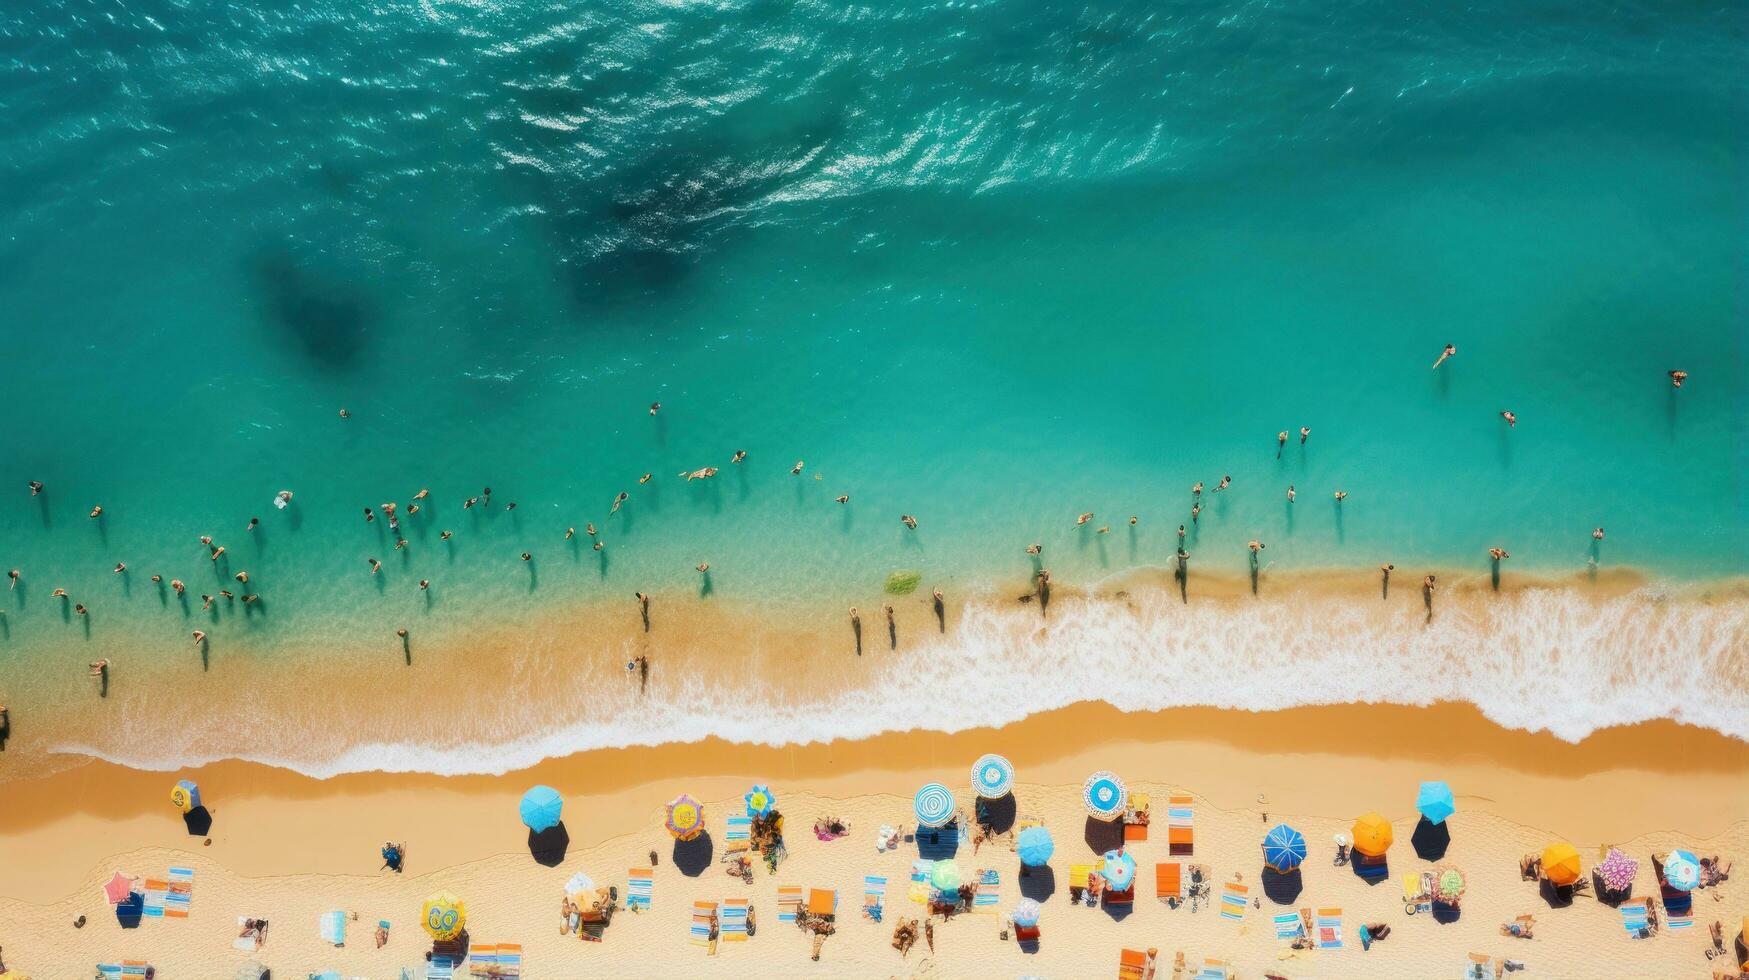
332,928
989,892
1212,970
495,961
124,969
640,883
874,897
155,892
180,893
1234,898
1180,826
740,828
702,913
440,968
733,920
1287,926
1678,907
1633,919
920,871
1329,928
789,898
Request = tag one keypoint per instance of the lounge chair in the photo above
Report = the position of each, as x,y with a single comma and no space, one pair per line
1135,824
640,884
1234,899
1479,967
1132,964
822,903
703,929
1169,882
1078,881
874,897
736,921
1180,826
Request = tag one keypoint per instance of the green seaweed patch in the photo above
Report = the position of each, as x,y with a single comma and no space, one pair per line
903,582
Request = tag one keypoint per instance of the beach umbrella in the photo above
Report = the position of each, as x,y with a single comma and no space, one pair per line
1561,864
945,876
581,888
685,818
1372,835
759,801
1035,846
1118,869
540,808
992,776
1448,883
933,805
118,887
1105,795
1435,802
443,916
185,796
1284,848
1617,870
1682,871
1026,912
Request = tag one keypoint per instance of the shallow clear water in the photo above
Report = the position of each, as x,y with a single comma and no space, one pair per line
990,264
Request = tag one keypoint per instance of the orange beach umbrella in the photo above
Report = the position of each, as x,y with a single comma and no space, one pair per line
1561,865
1372,835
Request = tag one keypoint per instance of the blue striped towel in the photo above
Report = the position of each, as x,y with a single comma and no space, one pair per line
732,919
920,871
154,902
1633,919
134,968
740,828
181,893
1212,971
874,896
440,968
1287,926
640,884
988,892
1329,928
1233,901
109,971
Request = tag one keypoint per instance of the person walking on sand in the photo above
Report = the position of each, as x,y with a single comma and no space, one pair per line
1305,433
892,627
940,603
1280,441
1385,571
1511,419
644,609
1427,586
1677,378
1450,349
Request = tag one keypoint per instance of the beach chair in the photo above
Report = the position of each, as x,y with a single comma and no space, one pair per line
919,890
700,929
1329,928
874,897
1634,919
640,884
789,900
1026,934
1132,964
1479,967
156,891
1417,892
735,921
1137,830
1180,826
989,892
1212,970
1234,899
1288,926
822,903
179,893
1169,881
1678,907
332,928
440,968
1078,875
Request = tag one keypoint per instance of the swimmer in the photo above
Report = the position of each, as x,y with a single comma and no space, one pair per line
471,501
345,414
226,593
58,594
199,637
796,470
242,577
1498,554
375,566
597,546
254,522
424,584
908,521
36,487
96,511
422,494
703,566
617,501
284,498
1104,529
1450,349
98,667
702,473
13,575
527,557
655,407
1280,441
414,508
1226,481
644,479
1084,518
402,633
207,540
486,494
158,579
369,516
740,454
177,586
206,602
842,498
1132,520
589,529
1597,534
1677,378
1255,546
121,566
446,535
217,552
1511,419
1341,495
1290,493
79,608
570,533
1035,549
512,505
400,543
1305,432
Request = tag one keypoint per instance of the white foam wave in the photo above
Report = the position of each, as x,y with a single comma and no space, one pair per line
1540,659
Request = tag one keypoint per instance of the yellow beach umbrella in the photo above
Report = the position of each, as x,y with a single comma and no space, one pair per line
1561,864
1372,835
444,916
685,818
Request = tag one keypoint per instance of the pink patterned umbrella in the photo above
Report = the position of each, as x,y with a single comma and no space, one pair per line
1618,870
118,888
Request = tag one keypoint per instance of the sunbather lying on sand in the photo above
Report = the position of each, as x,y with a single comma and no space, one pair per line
905,936
1519,928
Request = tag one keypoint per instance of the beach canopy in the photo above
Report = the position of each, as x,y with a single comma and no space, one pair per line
580,885
759,800
540,808
1118,869
1284,848
933,805
1448,883
685,818
992,776
1105,795
1026,912
945,876
1682,871
118,887
443,916
185,796
1035,847
1435,802
1372,835
1561,864
1617,870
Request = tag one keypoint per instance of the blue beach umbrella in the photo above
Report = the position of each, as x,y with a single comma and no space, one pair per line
1035,846
1026,912
759,800
1105,795
1118,869
1284,848
933,805
992,776
540,808
1435,801
1682,871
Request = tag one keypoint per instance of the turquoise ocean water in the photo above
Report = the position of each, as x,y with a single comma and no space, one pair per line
990,264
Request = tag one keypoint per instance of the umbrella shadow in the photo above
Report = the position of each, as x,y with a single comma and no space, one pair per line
1558,896
1372,874
548,846
1038,884
1445,914
938,843
1118,911
199,822
1430,840
1103,835
692,857
998,815
1282,889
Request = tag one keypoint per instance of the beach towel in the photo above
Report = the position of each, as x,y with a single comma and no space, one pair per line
495,961
156,890
1329,928
1633,919
989,892
1169,880
732,922
702,913
789,899
822,902
332,927
640,883
1288,926
1678,907
920,871
179,894
1180,826
1212,970
874,897
124,969
440,968
1137,831
1234,898
740,828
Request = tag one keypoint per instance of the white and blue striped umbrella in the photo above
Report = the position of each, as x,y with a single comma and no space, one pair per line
933,805
992,776
1105,795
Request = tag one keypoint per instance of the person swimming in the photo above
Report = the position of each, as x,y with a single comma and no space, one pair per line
1255,546
1677,378
796,469
199,637
217,551
206,602
120,566
375,566
1280,441
254,522
1305,433
703,566
1511,419
908,521
1341,495
655,407
842,498
1498,554
644,479
36,487
589,529
422,494
1083,519
79,608
598,545
283,499
1226,481
1104,529
369,516
177,586
445,535
740,455
527,557
1035,549
96,511
617,501
1450,349
13,576
702,473
345,414
471,501
570,533
424,584
242,577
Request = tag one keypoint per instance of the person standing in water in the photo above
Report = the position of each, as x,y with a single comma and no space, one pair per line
1305,433
1290,493
1195,512
644,609
1427,585
36,487
856,628
940,603
13,576
1450,349
1385,571
892,627
1280,442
